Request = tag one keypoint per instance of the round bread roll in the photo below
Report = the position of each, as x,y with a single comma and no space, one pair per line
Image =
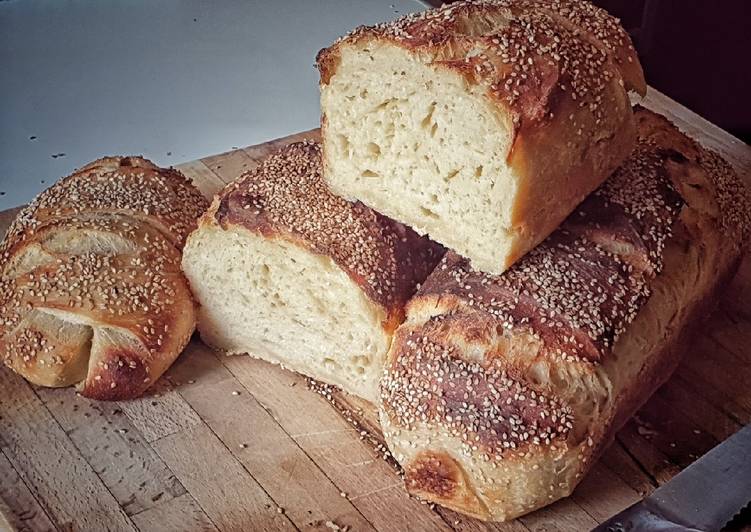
91,291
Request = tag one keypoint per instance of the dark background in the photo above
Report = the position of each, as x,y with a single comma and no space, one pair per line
698,52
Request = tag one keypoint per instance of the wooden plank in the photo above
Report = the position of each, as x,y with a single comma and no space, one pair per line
732,330
617,459
176,515
335,446
160,412
50,465
732,381
287,474
231,498
231,165
258,152
603,494
718,397
114,448
654,462
22,511
700,411
561,516
206,180
738,293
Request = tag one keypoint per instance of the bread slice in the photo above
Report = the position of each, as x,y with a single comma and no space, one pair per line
482,124
288,272
500,391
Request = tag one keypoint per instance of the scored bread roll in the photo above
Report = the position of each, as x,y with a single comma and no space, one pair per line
500,391
482,124
91,291
285,271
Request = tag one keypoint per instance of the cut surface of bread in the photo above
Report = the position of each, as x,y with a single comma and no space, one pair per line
501,390
295,308
451,122
288,272
91,292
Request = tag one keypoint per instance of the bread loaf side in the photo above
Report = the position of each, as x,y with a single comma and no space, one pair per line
500,391
288,272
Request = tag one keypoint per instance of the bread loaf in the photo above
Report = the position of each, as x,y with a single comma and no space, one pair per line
500,391
91,291
288,272
483,123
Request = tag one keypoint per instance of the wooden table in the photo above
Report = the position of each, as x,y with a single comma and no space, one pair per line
233,443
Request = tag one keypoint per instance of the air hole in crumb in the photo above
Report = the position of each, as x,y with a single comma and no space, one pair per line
374,150
368,173
452,174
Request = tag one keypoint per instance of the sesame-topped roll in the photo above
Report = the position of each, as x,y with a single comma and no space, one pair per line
288,272
499,391
483,123
91,291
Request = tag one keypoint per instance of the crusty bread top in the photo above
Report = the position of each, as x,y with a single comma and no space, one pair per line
286,196
99,250
579,290
127,185
463,393
529,53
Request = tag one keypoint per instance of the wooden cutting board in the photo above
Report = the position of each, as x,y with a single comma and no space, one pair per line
232,443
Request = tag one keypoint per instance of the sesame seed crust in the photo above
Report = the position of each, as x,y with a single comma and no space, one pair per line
529,54
479,403
285,196
127,185
91,270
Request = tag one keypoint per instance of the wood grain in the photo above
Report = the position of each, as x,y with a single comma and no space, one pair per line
117,452
258,442
229,495
275,455
176,515
58,476
18,508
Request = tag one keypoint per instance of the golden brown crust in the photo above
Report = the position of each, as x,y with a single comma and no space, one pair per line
673,206
286,197
530,53
91,291
484,403
130,186
440,478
